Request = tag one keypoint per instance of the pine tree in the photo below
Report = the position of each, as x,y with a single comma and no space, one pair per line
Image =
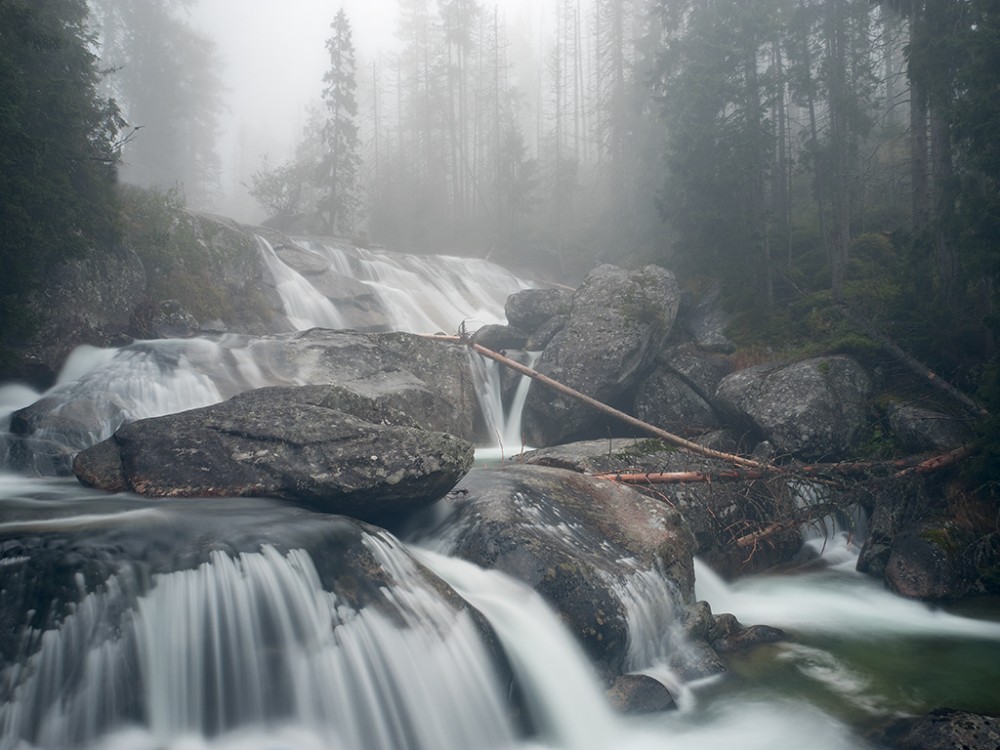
339,203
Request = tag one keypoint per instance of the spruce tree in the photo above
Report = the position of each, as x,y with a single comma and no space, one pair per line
339,201
57,146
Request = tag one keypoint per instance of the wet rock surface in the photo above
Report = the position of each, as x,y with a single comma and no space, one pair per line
580,542
288,443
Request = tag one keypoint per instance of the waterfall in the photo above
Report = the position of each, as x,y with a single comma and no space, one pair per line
561,688
427,294
503,421
254,642
99,390
304,306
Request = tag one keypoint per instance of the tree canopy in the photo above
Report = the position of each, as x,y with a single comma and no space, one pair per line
58,144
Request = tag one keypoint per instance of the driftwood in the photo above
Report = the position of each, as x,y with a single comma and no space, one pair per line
628,419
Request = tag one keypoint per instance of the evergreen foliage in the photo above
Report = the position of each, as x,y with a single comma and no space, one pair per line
339,201
58,146
167,78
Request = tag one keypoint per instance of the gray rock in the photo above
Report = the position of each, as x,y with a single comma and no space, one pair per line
942,729
171,320
728,635
288,443
543,336
925,563
618,324
636,694
701,370
918,429
915,547
716,512
578,541
812,409
666,401
706,320
529,309
500,338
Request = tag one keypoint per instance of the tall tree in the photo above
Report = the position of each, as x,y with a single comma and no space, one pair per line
339,202
58,143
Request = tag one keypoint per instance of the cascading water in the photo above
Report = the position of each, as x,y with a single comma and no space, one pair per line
503,421
242,627
427,294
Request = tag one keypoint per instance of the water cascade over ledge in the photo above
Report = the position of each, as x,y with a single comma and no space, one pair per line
131,624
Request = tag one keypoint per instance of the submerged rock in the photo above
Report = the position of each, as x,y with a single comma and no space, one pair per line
618,323
639,694
288,443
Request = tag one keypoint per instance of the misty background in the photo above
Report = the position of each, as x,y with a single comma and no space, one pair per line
795,151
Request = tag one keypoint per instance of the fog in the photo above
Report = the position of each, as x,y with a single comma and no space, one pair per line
273,57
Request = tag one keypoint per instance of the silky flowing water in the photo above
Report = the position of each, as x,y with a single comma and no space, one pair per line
252,643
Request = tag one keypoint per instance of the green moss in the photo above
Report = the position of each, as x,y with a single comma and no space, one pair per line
941,537
179,255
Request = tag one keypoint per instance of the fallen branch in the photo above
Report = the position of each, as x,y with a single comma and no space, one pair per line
899,467
628,419
809,514
911,362
935,463
757,470
683,477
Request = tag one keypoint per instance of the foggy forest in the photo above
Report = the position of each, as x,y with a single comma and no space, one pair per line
452,374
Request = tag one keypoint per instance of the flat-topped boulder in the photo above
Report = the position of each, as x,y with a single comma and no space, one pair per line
289,443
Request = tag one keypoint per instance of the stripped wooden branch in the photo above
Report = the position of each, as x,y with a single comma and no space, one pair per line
628,419
752,469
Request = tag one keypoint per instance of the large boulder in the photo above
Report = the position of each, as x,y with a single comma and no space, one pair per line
529,309
813,409
600,553
429,380
618,323
293,444
917,545
706,320
918,429
667,401
717,513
